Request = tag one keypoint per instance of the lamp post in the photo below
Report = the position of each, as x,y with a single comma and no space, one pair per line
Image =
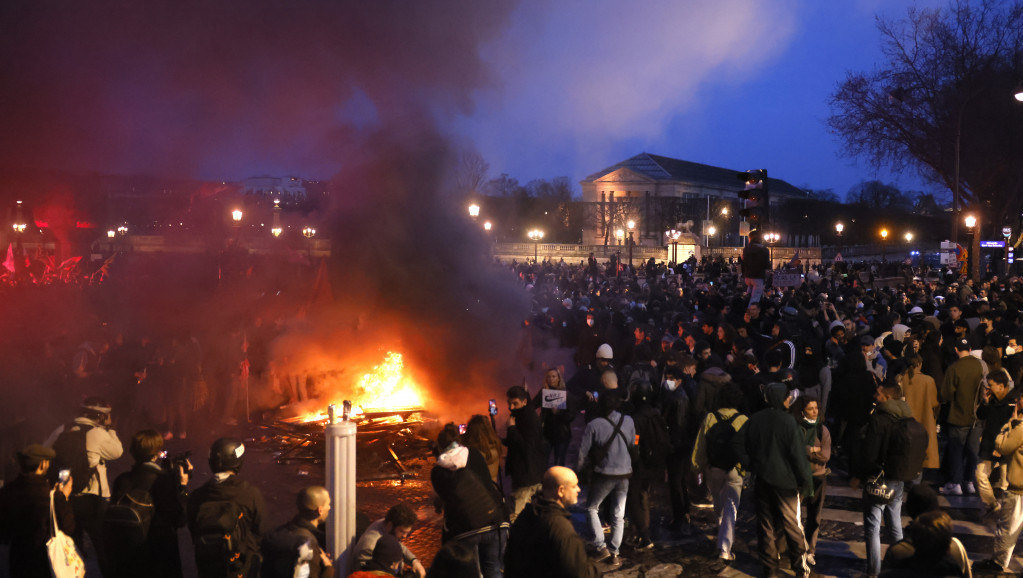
711,231
673,235
536,235
771,239
839,227
474,211
884,237
972,260
487,226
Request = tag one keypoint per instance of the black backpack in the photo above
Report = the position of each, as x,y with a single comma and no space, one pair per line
128,519
908,450
218,538
71,455
654,442
598,452
719,443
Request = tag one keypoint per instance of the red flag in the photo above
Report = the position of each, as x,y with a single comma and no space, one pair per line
9,261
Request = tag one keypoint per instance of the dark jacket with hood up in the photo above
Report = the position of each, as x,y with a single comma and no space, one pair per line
544,544
771,445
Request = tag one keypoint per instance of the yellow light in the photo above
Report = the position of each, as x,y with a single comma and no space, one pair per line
909,237
276,231
474,210
970,221
631,224
884,233
111,233
839,227
487,226
236,215
712,230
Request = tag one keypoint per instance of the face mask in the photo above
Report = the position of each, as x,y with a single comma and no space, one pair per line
670,384
1010,350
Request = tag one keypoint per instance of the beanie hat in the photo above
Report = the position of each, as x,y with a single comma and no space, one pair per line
604,352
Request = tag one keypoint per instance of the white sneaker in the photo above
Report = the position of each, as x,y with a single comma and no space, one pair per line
951,489
970,488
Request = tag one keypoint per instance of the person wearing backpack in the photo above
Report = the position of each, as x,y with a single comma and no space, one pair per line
611,436
147,506
892,449
652,452
294,549
225,516
714,457
85,446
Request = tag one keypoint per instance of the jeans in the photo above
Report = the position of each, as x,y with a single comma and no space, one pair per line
489,547
601,488
872,513
1010,522
560,452
726,489
963,447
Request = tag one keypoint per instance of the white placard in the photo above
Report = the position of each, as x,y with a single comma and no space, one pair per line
555,398
787,280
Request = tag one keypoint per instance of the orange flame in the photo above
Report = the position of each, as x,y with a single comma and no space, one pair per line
386,387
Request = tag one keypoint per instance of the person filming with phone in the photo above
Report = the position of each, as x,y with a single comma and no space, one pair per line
25,512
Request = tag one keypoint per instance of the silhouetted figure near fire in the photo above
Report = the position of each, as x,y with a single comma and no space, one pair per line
527,456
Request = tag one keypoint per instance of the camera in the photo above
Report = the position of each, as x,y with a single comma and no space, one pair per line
171,463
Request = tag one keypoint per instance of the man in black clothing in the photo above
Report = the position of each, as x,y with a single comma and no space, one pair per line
527,456
675,408
25,513
756,260
543,542
295,548
771,446
226,497
159,555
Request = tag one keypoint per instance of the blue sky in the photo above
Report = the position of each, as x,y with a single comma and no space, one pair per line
736,83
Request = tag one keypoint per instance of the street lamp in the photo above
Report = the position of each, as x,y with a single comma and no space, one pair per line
771,239
839,227
909,237
884,237
673,236
487,226
971,223
474,210
711,231
236,215
536,235
631,226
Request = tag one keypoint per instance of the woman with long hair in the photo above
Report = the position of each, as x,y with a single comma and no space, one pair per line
556,424
922,396
480,436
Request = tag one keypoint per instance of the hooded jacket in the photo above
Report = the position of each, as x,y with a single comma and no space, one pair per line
879,452
544,544
471,504
771,445
711,382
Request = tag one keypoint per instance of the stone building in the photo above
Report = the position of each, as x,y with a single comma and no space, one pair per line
659,194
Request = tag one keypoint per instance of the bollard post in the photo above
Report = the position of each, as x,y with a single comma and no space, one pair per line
340,437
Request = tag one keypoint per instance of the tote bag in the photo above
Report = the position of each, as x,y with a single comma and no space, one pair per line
64,559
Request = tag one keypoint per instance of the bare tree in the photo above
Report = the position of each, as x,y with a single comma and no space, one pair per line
877,195
942,103
472,172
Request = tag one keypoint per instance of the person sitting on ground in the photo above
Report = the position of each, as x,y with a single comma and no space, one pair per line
397,522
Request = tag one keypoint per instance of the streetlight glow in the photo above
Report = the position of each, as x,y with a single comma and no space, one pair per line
631,224
884,234
236,215
970,221
712,230
487,226
839,227
909,237
474,210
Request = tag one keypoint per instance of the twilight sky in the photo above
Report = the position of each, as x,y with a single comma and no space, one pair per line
542,88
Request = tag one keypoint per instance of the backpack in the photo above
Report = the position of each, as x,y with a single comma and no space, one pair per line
218,538
128,519
71,455
654,442
907,450
719,443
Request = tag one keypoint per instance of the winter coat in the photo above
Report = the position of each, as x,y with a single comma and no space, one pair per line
700,460
816,435
675,410
922,396
711,382
527,455
770,445
159,556
756,260
995,414
960,388
544,544
284,546
878,451
470,499
25,523
1008,443
248,498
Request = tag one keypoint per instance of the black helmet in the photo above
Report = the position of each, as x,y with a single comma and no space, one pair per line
226,454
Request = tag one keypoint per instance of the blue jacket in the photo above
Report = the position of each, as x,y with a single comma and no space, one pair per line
598,431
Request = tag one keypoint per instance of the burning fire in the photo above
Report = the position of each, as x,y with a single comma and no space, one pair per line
384,388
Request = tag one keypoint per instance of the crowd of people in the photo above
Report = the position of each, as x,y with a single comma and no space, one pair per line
699,382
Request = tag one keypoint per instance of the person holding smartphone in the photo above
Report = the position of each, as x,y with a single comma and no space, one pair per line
25,512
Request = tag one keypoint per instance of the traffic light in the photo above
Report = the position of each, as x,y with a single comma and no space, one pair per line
756,206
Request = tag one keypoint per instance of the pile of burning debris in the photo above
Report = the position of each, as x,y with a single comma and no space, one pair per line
390,444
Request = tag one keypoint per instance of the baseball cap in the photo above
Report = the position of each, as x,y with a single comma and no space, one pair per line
962,345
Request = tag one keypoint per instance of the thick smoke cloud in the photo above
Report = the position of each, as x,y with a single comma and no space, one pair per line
214,89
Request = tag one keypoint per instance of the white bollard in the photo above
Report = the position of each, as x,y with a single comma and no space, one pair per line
340,437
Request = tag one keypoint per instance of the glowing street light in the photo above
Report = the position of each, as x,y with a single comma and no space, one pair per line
673,235
111,234
487,226
909,237
474,210
970,221
236,215
536,235
309,232
884,237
